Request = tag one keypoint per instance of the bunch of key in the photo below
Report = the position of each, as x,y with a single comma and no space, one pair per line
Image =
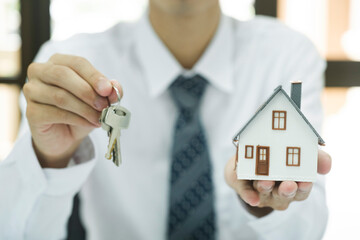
113,119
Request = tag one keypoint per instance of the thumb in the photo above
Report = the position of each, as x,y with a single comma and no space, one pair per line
324,162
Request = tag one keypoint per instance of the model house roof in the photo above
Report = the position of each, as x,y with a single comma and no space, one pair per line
276,91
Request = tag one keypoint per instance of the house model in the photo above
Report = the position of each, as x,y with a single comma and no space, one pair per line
278,143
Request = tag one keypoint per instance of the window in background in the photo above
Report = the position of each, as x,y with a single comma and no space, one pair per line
350,38
10,49
334,27
10,117
10,41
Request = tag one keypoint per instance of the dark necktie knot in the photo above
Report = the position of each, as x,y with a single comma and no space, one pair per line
187,92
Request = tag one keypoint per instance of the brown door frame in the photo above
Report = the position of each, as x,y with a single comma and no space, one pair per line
267,159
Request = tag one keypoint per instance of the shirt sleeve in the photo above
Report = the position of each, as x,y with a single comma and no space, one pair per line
35,203
305,219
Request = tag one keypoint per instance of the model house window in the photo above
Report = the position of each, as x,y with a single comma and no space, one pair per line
293,156
262,155
249,151
279,120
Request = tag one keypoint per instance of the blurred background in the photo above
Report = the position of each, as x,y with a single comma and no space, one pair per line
333,26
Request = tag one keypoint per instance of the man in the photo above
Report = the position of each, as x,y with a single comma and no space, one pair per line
171,184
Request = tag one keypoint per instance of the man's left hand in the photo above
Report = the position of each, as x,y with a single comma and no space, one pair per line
264,196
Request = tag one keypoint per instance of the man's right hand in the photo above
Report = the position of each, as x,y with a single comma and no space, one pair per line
64,97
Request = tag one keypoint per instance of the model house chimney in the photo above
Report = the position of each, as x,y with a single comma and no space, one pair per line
296,93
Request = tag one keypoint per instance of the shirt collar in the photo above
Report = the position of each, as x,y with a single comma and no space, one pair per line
161,68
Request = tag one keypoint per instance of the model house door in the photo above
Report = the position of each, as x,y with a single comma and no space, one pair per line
262,160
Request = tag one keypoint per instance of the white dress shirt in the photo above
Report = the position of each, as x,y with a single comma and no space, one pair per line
244,62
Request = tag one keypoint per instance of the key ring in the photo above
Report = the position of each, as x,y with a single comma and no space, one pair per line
117,93
117,104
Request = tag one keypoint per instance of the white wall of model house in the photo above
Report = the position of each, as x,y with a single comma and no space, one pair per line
297,134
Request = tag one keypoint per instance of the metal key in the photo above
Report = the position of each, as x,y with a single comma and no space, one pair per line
116,118
113,119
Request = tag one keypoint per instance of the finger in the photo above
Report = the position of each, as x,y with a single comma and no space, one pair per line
86,70
324,162
279,202
287,189
247,193
264,187
229,173
303,191
242,187
69,80
42,114
113,98
55,96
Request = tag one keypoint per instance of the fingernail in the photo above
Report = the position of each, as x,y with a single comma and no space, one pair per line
255,204
304,189
266,187
328,157
289,195
103,83
100,103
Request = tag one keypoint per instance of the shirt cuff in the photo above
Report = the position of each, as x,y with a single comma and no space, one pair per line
69,180
52,181
24,158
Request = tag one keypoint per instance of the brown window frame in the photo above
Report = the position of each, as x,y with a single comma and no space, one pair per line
252,151
278,119
287,156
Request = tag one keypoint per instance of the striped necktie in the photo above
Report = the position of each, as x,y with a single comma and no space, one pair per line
191,204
